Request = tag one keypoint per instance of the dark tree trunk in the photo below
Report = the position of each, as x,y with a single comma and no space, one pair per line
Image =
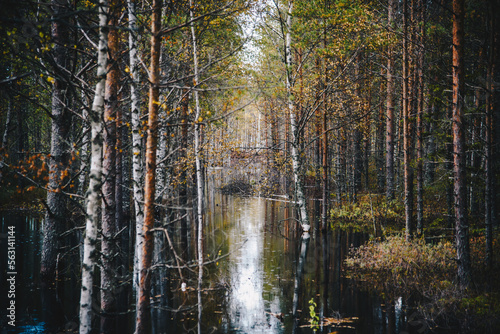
460,185
475,157
420,112
407,137
57,215
489,133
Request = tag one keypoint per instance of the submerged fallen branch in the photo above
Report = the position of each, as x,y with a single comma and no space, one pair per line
334,322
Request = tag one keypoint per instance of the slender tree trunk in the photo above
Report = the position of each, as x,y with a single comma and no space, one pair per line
199,174
325,195
407,146
475,157
357,162
389,141
341,166
183,191
357,137
490,97
460,185
137,165
380,139
56,216
7,123
93,195
301,200
430,164
420,112
143,316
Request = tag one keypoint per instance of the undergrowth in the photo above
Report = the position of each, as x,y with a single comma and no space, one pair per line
427,272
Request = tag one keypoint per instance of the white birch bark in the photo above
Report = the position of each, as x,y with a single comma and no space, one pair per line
199,176
83,155
137,166
93,195
301,200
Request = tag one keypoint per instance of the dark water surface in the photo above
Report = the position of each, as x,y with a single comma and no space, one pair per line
260,276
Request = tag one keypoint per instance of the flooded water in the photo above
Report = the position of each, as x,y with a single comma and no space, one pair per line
260,276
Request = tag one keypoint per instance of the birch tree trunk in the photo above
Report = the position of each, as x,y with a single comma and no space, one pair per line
93,195
84,157
55,217
301,200
108,244
143,321
137,166
460,184
199,175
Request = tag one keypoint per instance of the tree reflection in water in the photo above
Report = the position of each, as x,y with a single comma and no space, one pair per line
262,283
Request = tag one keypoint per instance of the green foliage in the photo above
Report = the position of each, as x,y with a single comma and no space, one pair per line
361,215
314,321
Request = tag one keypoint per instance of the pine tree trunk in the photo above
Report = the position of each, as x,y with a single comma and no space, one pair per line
420,112
93,195
389,141
379,141
143,316
460,185
56,216
407,145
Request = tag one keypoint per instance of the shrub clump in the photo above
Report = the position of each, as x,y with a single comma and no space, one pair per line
399,266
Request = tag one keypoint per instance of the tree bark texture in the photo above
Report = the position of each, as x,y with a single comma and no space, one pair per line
137,165
389,141
419,83
459,175
56,216
407,137
109,247
199,171
143,318
93,195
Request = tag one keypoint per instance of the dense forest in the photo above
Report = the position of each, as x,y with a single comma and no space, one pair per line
378,116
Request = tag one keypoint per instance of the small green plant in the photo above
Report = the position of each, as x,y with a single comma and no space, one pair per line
314,321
